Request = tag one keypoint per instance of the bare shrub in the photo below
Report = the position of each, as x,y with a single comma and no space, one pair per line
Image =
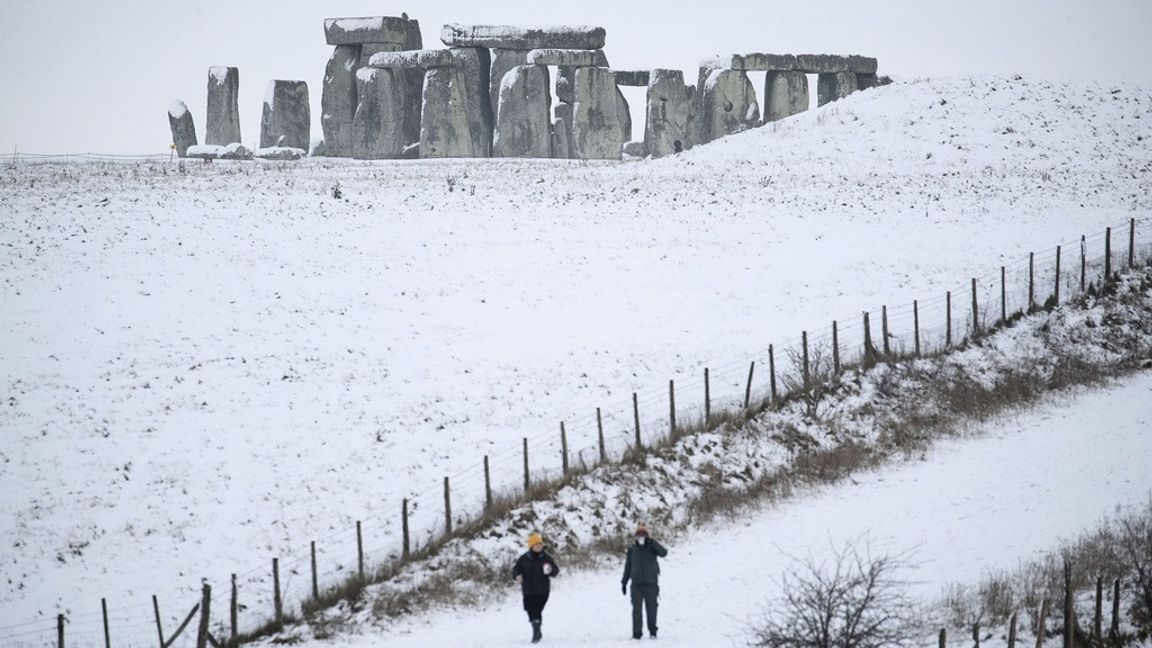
852,600
811,392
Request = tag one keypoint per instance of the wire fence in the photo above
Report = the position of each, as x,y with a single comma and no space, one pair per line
376,547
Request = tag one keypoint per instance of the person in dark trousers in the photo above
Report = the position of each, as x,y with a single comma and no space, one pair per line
534,571
642,567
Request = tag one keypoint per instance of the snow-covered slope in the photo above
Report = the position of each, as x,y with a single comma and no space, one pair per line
207,366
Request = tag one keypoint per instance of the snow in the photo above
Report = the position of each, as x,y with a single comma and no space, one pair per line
280,153
211,151
177,110
968,508
208,368
219,74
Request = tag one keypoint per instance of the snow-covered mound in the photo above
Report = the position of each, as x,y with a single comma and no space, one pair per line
205,366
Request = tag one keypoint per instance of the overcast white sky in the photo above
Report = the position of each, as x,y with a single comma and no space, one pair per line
99,75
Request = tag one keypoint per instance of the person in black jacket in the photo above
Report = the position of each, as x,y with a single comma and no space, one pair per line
643,568
534,571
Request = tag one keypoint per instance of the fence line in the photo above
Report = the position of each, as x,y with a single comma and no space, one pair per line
922,328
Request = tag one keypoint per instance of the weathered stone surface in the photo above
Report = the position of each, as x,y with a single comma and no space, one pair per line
474,65
623,114
523,128
638,78
785,94
561,140
562,113
729,104
444,127
415,38
204,151
862,64
374,29
368,50
821,63
286,119
759,62
378,129
671,114
338,100
566,79
413,59
830,87
279,153
504,37
566,57
635,149
235,151
183,128
598,130
707,67
503,60
223,123
865,81
883,80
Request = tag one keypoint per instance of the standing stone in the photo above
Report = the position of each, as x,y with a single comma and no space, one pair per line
338,100
376,29
833,86
286,115
561,142
785,94
474,65
865,81
623,113
368,50
707,67
562,113
503,60
378,128
523,128
729,105
445,130
670,126
566,78
183,128
223,124
414,40
598,132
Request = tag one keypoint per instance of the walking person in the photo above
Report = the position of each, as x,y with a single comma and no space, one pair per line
534,571
642,567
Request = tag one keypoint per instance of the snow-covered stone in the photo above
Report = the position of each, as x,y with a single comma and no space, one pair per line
183,128
378,129
785,94
286,119
759,62
280,153
474,66
523,128
235,151
866,81
375,29
445,130
338,100
830,87
729,104
598,131
368,50
505,37
413,59
566,57
831,64
223,123
671,122
204,151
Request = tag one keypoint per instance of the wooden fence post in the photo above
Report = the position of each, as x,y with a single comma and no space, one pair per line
671,409
1042,622
447,509
1056,292
1107,255
1131,243
59,631
884,331
104,612
916,325
277,603
1069,611
1083,264
772,373
707,399
159,626
600,435
1114,629
234,608
1012,631
1097,629
807,372
948,320
1003,296
835,349
636,419
975,312
404,539
527,474
487,485
748,388
869,358
563,449
315,578
205,603
1031,281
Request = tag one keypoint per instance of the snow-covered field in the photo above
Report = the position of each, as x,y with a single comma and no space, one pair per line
205,368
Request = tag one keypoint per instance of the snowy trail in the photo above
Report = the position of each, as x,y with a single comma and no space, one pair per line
968,506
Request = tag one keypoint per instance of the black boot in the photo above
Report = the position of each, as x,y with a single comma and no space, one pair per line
536,634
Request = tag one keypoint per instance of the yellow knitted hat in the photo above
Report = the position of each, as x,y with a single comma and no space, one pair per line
535,539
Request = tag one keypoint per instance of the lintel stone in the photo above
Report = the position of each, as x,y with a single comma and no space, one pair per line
505,37
632,77
375,29
759,62
567,57
413,59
